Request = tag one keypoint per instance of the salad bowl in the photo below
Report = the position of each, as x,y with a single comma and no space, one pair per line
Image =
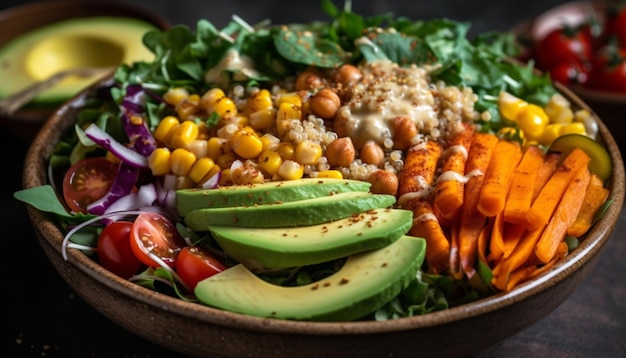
198,330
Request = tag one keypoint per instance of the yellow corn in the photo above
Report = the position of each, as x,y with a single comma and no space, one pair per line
159,161
198,147
186,132
286,150
187,108
225,178
574,127
175,95
290,170
259,101
263,118
559,109
286,113
270,141
331,173
214,170
214,100
307,152
204,132
246,174
165,129
551,132
184,182
510,105
291,97
269,162
182,160
226,160
201,168
216,147
246,144
532,120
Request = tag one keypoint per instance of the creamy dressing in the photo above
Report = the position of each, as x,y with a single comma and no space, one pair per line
241,66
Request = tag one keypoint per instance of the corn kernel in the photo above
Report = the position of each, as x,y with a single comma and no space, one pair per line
510,105
308,152
182,160
246,144
159,161
286,150
186,132
215,169
198,147
246,174
559,109
263,118
574,127
291,170
269,162
165,129
291,97
225,178
550,133
214,100
201,168
187,108
331,173
217,147
532,120
175,95
286,113
270,141
226,160
259,101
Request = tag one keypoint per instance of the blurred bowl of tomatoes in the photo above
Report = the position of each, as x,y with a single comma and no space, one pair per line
582,45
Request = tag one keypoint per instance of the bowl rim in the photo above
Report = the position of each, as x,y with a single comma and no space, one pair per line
34,174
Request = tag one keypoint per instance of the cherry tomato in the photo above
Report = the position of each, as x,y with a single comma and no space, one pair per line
609,70
114,250
615,25
154,234
569,73
563,45
194,264
87,181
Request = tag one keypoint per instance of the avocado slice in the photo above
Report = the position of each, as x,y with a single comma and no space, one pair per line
274,248
100,41
295,213
366,282
264,193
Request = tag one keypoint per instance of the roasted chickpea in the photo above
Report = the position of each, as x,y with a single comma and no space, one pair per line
340,152
347,75
383,182
308,79
372,153
325,103
404,130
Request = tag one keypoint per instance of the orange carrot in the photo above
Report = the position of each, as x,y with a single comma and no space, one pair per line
548,199
416,177
473,221
496,239
425,225
527,272
498,176
520,193
449,185
564,215
523,252
595,197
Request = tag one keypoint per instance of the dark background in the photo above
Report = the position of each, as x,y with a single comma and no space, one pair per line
42,317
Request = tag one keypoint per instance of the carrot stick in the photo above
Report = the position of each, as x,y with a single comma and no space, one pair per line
595,197
528,272
498,176
496,239
425,225
550,163
564,215
520,194
548,199
416,177
514,233
523,252
449,185
473,221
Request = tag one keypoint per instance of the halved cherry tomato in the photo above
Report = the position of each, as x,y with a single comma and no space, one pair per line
154,234
569,73
87,181
114,250
194,264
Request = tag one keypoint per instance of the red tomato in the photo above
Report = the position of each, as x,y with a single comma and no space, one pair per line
563,45
87,181
154,234
569,73
114,251
194,264
615,24
609,70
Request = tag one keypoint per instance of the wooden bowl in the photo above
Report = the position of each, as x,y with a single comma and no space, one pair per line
22,19
198,330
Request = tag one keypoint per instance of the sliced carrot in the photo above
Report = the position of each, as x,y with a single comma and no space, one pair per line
496,240
498,177
449,186
473,221
595,197
524,250
425,225
416,177
548,199
545,171
513,235
564,215
520,193
527,272
456,271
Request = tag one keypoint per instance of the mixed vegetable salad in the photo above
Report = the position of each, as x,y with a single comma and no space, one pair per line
249,104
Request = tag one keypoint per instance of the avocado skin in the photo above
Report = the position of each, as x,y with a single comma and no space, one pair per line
365,283
264,193
296,213
275,248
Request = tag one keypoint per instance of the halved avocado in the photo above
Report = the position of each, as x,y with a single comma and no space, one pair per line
264,193
99,42
600,164
273,248
295,213
365,283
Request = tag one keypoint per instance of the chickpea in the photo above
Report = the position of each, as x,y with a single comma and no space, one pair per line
347,75
309,79
340,152
372,153
340,124
404,130
325,104
383,182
